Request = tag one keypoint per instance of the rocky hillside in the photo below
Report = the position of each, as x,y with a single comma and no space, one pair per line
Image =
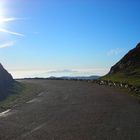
6,82
129,63
127,69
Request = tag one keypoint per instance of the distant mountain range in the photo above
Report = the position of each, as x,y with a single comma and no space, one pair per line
127,69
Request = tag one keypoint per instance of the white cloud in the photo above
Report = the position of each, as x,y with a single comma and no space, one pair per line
91,71
36,33
63,71
3,20
10,32
115,51
10,19
7,44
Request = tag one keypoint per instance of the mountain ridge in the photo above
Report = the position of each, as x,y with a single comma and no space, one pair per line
6,82
129,62
127,69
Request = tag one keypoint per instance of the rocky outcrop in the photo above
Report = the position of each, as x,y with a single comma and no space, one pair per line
125,73
6,83
119,85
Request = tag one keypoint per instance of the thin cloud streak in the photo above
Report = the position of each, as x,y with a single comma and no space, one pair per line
11,32
115,51
11,19
7,44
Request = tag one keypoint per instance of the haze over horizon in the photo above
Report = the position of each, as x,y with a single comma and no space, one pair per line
66,38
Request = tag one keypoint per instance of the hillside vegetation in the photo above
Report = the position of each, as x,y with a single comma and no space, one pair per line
127,70
22,91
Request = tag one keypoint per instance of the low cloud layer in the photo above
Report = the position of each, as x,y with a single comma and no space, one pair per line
58,73
63,71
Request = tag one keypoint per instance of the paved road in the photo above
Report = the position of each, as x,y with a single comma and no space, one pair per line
73,110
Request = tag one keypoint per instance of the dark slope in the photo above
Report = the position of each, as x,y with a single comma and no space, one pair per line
127,69
6,82
129,63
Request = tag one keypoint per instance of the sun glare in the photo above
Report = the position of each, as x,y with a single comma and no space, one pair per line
1,21
2,14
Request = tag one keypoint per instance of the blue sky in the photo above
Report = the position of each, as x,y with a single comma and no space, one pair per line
66,37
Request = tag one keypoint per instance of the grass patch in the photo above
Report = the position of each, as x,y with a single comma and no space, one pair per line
131,93
133,79
21,93
124,78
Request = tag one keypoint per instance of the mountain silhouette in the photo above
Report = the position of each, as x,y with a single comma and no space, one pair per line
6,82
127,69
129,63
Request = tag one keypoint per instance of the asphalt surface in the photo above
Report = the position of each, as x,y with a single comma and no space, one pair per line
73,110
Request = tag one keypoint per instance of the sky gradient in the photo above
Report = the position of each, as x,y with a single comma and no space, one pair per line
66,38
